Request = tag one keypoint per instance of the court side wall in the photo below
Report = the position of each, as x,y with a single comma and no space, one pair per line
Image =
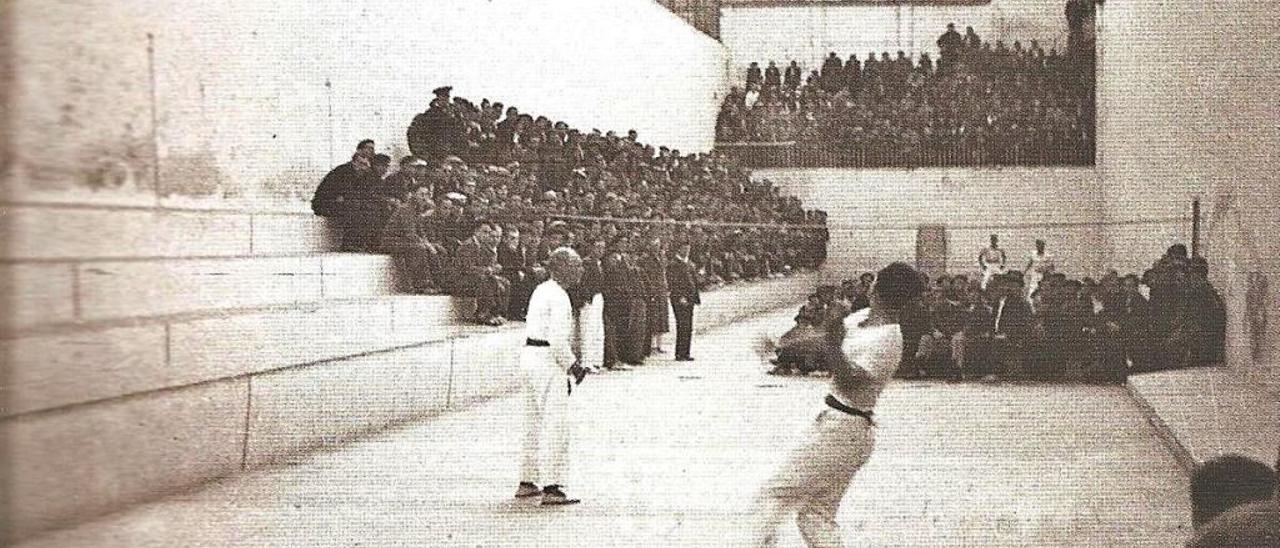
250,103
875,214
1186,107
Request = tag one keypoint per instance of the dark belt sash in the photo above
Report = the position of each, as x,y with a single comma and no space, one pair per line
833,403
536,342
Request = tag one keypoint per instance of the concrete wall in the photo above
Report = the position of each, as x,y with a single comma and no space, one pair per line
140,411
1186,108
808,32
151,102
875,213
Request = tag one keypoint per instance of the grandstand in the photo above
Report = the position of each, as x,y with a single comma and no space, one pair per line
266,265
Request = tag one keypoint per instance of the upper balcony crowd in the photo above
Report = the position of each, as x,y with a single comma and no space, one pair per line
979,103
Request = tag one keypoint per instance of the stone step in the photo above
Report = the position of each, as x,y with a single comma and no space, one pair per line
83,233
112,359
47,295
251,390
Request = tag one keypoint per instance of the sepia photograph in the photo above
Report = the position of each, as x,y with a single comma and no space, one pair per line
639,273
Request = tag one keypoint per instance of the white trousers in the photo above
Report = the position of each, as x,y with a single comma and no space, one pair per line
547,420
811,483
591,333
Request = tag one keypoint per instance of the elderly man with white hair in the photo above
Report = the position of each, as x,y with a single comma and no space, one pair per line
550,371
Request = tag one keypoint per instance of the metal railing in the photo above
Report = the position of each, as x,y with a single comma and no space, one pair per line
791,154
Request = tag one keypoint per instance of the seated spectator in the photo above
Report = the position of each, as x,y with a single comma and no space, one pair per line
355,199
407,237
476,275
1223,483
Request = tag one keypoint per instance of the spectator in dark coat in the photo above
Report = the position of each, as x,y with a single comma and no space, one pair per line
477,275
682,278
404,238
832,73
772,79
791,80
340,182
653,264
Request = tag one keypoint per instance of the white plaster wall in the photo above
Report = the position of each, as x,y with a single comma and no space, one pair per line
874,214
1186,107
807,33
142,101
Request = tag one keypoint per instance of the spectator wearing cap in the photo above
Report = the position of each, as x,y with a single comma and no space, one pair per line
411,176
791,78
406,237
439,131
477,275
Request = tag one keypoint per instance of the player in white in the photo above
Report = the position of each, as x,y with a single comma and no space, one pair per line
1039,266
550,372
863,351
991,261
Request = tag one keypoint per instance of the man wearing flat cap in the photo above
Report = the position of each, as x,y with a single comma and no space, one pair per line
437,132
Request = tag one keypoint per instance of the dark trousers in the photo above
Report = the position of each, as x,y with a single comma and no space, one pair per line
684,327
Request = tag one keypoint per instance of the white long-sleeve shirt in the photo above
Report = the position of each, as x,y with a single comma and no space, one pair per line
550,318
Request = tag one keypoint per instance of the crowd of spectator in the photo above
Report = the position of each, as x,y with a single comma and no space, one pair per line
980,103
477,207
1065,329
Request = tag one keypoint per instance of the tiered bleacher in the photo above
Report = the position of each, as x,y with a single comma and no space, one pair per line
979,104
153,350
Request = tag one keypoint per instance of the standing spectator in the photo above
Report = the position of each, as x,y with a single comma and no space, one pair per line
853,74
590,306
949,45
832,73
772,80
972,42
512,256
621,298
1206,312
403,237
753,74
654,267
439,131
683,282
792,77
1040,265
991,261
1010,327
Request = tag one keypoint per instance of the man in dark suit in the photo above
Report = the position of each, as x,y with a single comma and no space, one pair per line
477,275
1010,327
682,279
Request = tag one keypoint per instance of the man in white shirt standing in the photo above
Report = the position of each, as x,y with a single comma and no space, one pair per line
550,371
991,261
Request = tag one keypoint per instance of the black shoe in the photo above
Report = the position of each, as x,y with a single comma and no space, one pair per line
684,358
527,490
553,496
